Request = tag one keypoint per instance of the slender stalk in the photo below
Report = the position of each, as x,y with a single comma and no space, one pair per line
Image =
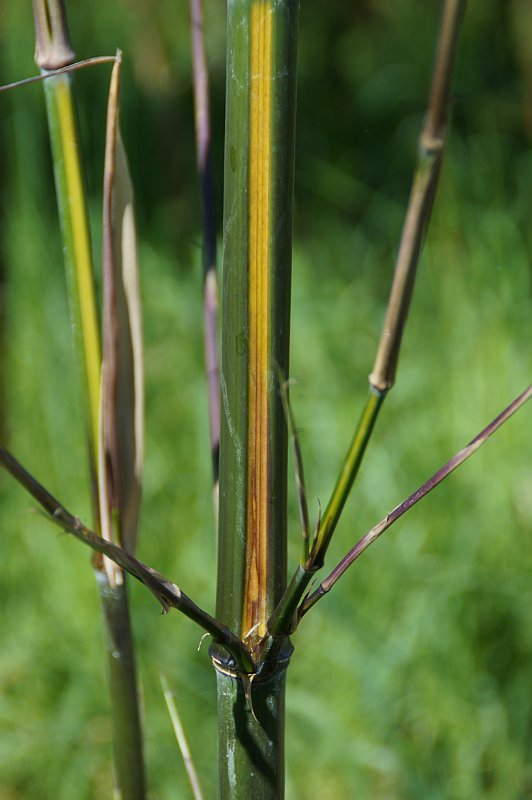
259,153
181,740
444,472
54,50
346,478
167,593
304,517
210,280
87,62
66,153
430,152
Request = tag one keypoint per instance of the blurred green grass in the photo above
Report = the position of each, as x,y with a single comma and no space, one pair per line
413,679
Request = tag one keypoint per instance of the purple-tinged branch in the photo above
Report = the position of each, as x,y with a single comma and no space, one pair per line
210,283
327,584
430,153
167,593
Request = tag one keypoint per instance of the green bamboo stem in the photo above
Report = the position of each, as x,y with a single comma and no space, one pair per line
121,666
66,155
54,50
259,153
250,738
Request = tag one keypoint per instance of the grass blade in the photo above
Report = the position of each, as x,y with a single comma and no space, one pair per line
181,739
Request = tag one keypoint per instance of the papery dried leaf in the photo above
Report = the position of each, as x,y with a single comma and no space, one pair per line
122,411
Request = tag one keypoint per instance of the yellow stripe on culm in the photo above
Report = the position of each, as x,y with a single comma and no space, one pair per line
255,611
81,252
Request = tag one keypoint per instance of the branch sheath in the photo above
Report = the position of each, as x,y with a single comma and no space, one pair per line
167,593
458,459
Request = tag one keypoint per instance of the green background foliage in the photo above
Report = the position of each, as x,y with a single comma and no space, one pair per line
414,678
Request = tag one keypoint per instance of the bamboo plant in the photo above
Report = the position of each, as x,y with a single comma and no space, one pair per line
111,388
257,610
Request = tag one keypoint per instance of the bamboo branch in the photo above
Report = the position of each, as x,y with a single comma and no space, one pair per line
444,472
430,153
210,281
167,593
300,475
87,62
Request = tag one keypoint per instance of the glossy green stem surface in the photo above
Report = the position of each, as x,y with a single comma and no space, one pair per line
127,729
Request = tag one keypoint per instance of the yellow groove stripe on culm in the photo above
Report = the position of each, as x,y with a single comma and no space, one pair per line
255,611
81,252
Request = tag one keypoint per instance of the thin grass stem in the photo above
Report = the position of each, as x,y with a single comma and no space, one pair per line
181,739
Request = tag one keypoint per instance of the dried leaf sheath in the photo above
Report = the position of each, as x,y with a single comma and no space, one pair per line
121,415
256,297
258,474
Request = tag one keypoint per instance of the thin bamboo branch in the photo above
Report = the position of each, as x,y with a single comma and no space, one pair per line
167,593
300,475
284,618
210,280
181,739
430,152
346,478
87,62
444,472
